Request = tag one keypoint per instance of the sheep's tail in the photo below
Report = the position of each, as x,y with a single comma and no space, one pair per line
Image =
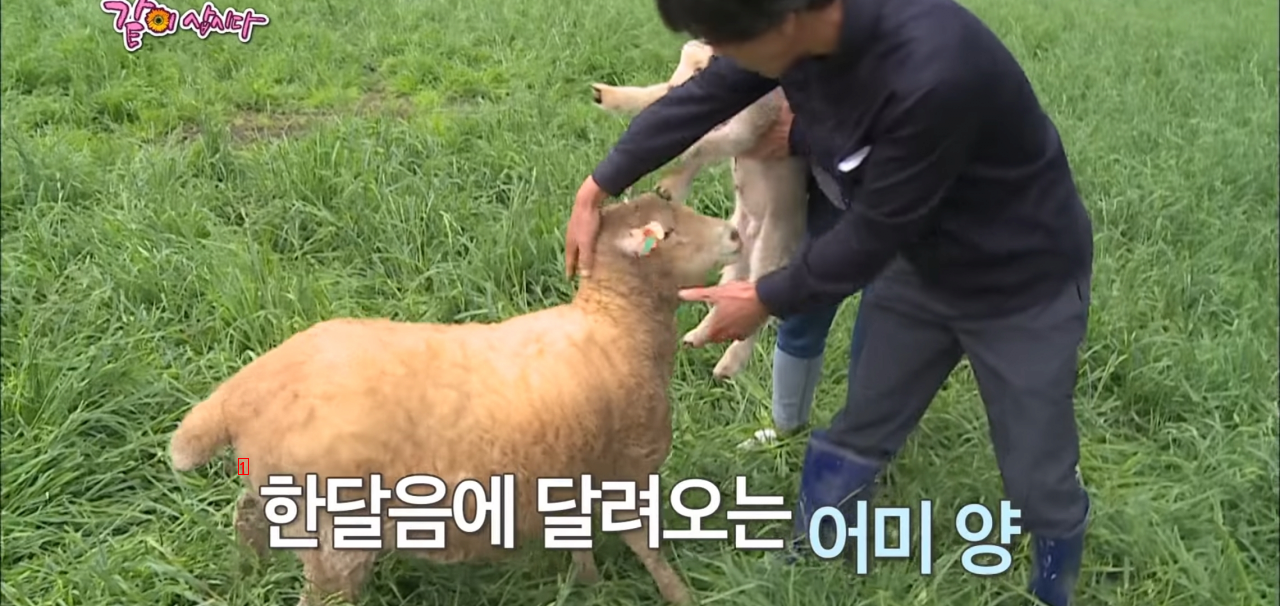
200,435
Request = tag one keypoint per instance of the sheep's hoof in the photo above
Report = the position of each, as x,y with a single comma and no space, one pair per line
676,593
586,576
584,569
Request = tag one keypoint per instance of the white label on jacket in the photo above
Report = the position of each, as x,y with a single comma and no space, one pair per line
854,160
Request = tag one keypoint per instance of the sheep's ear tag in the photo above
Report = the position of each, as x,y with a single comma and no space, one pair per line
653,232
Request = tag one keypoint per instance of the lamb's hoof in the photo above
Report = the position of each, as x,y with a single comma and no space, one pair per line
733,361
695,338
727,368
598,93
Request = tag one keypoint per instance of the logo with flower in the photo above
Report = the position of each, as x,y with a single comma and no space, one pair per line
160,20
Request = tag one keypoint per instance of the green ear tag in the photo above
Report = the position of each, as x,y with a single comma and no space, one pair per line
649,243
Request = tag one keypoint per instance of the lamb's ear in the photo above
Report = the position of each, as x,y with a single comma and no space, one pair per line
642,240
675,184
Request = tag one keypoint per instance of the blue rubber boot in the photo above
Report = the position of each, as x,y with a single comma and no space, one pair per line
831,477
1056,567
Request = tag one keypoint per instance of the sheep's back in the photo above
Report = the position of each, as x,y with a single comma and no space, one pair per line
532,397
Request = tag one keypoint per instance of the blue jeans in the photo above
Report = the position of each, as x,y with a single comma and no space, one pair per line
805,335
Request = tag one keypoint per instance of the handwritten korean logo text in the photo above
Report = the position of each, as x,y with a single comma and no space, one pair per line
139,17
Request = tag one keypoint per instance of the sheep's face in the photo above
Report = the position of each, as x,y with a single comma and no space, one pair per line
694,57
689,245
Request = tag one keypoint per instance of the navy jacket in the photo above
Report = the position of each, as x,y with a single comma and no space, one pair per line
941,150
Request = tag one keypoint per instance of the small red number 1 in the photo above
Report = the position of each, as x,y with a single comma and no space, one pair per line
243,466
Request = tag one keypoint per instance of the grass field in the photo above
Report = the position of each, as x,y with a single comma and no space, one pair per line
170,213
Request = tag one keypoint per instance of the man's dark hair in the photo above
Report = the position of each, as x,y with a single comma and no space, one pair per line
730,21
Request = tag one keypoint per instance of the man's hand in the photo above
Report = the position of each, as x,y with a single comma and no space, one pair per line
738,311
776,143
584,228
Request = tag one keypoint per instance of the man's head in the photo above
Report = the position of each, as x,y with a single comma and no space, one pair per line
765,36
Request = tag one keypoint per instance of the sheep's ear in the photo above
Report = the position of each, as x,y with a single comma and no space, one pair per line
642,241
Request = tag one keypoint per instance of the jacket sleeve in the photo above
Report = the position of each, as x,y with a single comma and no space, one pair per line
919,153
665,129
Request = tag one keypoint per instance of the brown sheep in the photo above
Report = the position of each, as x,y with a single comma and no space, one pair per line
576,389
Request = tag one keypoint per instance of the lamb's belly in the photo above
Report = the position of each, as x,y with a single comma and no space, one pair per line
766,187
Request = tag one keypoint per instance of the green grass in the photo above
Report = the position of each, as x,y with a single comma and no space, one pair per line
171,213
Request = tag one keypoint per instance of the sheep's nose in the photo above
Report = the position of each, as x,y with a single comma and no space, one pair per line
733,234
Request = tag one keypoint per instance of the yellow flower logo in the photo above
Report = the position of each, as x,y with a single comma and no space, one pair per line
158,20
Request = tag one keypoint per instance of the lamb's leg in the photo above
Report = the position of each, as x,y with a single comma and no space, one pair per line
677,182
720,145
738,354
735,137
768,253
252,529
735,357
627,99
585,570
737,271
773,247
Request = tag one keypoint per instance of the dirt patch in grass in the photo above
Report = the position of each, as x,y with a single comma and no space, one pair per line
380,103
257,126
251,126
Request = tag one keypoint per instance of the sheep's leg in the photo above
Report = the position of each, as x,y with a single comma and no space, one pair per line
669,583
252,529
333,572
584,563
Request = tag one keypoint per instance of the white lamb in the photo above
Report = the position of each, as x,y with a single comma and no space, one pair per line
769,194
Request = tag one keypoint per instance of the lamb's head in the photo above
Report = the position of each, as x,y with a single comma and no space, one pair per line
665,242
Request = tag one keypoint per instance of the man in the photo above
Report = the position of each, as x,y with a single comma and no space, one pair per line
958,200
